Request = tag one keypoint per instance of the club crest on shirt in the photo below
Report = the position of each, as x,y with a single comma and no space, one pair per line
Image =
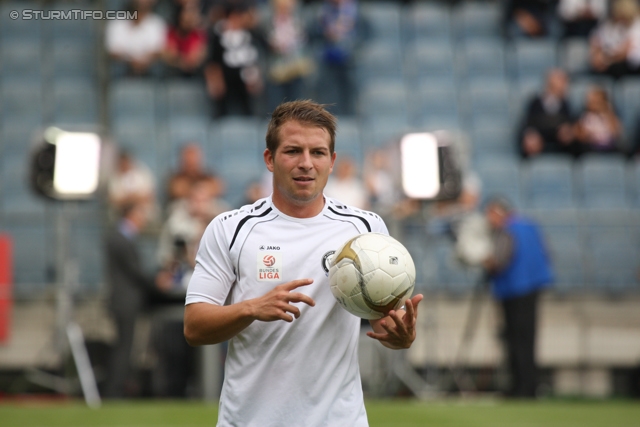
269,266
326,260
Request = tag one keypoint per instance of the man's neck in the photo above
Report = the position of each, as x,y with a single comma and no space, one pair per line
297,209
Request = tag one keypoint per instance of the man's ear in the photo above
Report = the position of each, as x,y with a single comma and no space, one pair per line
268,159
333,160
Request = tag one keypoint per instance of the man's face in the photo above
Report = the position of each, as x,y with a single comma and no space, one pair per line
301,164
496,216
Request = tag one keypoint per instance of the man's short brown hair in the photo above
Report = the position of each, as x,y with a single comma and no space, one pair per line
305,112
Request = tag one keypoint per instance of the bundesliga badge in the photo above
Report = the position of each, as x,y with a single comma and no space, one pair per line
269,266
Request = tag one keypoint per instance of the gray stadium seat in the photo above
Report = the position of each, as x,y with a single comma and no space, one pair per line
18,136
434,59
383,130
182,131
348,139
240,134
143,143
379,60
133,99
580,86
21,58
483,57
434,99
80,30
383,98
574,56
603,182
500,176
493,140
17,196
86,247
19,29
31,247
186,99
74,59
74,102
548,183
427,21
488,98
22,100
383,20
473,19
532,58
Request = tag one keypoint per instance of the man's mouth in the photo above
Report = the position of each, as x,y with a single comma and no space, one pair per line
303,178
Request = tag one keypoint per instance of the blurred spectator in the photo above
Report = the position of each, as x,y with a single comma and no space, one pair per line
255,191
519,268
345,185
379,182
615,43
132,182
129,288
190,171
547,126
339,32
529,18
598,128
183,228
186,47
580,17
231,72
288,63
136,45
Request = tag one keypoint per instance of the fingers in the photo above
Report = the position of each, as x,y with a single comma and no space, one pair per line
296,284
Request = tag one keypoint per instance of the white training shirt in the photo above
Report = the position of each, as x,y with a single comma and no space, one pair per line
303,373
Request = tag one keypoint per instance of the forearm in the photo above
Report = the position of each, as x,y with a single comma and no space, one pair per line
212,324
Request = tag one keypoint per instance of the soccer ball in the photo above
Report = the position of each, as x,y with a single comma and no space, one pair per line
372,274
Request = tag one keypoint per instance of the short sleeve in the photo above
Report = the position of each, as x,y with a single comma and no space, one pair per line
214,274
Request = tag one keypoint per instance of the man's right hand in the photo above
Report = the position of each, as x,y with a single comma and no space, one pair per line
277,303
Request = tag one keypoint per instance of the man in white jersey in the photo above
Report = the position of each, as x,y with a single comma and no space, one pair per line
261,282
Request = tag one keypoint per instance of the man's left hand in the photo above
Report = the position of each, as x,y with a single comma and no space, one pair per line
398,329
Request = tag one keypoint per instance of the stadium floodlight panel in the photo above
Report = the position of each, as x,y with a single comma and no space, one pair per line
77,164
420,165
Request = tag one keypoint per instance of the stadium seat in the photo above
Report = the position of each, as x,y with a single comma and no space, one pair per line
383,98
19,29
472,19
579,87
429,60
79,30
453,276
383,130
427,21
17,196
493,140
142,142
31,247
348,140
434,99
186,99
532,58
239,134
383,20
133,99
187,130
612,257
74,59
22,100
627,102
603,182
74,102
574,56
488,98
522,92
88,254
21,58
483,57
18,136
379,60
499,176
548,183
634,183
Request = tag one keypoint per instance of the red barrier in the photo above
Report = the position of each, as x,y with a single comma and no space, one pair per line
6,281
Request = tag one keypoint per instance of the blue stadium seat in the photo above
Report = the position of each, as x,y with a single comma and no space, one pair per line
493,140
19,29
473,19
488,98
74,59
612,257
74,102
634,183
574,56
383,130
87,250
548,183
483,57
187,99
240,134
434,99
182,131
18,136
580,86
532,58
603,182
453,276
627,101
434,59
379,60
80,30
17,196
383,98
383,20
348,140
427,21
133,99
30,251
143,143
22,100
500,176
21,58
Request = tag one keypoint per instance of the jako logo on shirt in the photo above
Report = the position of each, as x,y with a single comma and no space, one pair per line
269,266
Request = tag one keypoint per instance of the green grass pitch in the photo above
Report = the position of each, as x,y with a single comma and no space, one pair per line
382,413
